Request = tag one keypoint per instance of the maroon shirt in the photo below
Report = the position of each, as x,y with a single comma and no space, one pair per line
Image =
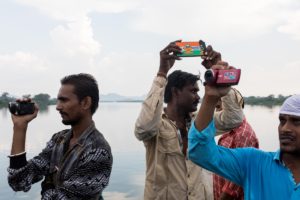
242,136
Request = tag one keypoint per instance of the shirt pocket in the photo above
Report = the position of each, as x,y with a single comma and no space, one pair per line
168,142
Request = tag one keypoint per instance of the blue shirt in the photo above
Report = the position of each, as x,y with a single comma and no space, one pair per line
262,175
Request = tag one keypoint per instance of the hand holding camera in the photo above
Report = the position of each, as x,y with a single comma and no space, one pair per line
217,90
23,111
220,77
21,107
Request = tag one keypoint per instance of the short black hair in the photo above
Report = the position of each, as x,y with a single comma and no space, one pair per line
84,85
178,79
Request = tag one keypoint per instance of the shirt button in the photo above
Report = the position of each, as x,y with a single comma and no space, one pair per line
190,193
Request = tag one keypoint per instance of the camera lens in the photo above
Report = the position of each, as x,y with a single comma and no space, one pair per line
209,76
13,107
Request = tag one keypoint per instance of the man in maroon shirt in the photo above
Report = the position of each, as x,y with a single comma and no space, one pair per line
236,132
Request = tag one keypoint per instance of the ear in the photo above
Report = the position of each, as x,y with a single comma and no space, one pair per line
86,103
174,92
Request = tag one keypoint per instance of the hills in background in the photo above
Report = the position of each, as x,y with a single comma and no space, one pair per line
113,97
44,99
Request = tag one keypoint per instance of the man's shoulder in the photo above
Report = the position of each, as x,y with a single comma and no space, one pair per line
61,134
257,154
97,140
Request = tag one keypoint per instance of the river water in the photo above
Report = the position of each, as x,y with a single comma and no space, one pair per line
116,122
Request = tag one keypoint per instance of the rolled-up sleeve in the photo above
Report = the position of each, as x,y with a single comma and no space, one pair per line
228,163
147,123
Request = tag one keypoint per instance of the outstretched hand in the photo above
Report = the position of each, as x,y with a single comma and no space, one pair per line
168,56
210,57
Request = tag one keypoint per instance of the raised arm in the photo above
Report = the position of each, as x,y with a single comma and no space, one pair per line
147,123
203,150
231,114
20,124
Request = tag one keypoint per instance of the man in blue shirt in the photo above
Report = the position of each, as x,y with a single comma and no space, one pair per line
263,175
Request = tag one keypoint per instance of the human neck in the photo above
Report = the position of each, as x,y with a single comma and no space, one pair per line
292,161
175,113
79,128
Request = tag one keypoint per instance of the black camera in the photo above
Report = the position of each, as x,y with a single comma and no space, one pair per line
21,108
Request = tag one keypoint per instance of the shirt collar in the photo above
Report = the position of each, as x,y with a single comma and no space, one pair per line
85,134
277,157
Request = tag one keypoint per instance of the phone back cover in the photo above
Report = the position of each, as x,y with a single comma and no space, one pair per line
190,49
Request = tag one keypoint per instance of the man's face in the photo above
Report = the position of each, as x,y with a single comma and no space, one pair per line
68,105
188,97
289,134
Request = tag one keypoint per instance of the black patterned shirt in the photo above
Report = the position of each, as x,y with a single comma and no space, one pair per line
79,173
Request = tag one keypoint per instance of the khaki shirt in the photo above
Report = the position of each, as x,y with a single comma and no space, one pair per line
231,116
169,174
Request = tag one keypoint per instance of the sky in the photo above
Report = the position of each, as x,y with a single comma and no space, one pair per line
118,41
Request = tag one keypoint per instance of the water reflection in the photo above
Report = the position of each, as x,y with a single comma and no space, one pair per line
116,122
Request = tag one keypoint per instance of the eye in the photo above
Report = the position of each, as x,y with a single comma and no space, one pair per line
296,122
195,91
282,121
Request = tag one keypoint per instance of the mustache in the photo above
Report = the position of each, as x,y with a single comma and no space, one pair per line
63,113
196,102
287,136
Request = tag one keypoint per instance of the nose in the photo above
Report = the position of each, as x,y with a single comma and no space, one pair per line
58,106
286,127
197,97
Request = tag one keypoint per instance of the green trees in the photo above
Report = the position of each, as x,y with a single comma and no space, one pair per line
4,99
269,101
42,99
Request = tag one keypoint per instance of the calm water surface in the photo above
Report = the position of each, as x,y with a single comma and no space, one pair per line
116,122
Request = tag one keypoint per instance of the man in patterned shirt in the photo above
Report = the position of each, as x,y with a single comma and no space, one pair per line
236,132
76,163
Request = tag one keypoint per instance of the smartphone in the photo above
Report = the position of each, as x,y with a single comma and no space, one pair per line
191,49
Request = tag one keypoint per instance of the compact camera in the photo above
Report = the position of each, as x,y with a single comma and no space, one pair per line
191,49
21,108
222,77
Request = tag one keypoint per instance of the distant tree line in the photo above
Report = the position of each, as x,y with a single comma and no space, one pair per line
269,101
43,100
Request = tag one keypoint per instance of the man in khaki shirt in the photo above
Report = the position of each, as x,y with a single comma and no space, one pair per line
169,174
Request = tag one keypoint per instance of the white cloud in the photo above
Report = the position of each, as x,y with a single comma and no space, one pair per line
129,73
220,20
292,25
70,10
264,80
75,49
75,39
21,61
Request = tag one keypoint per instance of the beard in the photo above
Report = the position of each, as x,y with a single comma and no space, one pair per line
71,122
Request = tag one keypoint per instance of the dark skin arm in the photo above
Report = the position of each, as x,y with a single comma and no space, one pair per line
211,97
168,57
20,124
